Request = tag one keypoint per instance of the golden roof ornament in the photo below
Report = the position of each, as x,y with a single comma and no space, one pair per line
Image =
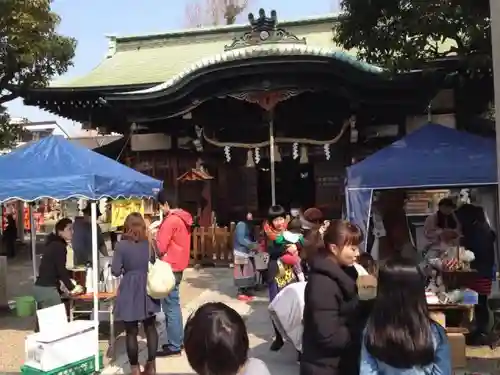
263,30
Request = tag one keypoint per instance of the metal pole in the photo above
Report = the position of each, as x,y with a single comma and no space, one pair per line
495,41
95,280
271,156
33,241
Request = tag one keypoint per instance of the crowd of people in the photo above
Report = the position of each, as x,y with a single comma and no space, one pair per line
391,334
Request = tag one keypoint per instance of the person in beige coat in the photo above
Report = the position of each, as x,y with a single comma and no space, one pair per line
442,229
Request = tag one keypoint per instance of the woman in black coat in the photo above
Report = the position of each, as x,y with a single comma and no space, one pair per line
332,325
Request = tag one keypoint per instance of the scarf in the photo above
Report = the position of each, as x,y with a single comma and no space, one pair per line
271,233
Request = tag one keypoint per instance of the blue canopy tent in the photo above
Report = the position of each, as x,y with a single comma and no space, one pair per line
57,168
432,156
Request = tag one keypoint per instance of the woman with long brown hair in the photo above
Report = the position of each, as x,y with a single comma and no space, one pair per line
131,259
330,330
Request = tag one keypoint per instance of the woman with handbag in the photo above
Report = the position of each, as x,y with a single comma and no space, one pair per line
133,305
244,267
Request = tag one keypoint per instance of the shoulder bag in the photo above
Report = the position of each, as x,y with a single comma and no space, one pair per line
161,278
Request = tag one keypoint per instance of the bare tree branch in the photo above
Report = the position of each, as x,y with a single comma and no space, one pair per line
194,14
201,13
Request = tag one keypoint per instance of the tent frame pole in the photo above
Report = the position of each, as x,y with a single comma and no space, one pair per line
31,206
95,281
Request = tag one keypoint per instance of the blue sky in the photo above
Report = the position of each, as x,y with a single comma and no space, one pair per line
90,20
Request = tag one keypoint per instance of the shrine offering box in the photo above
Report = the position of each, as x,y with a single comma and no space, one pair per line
457,349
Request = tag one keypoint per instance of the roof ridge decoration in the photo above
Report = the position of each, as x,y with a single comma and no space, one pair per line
264,30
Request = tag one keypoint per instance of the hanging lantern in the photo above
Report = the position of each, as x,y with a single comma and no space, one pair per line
257,155
295,151
227,153
326,149
304,159
250,163
277,155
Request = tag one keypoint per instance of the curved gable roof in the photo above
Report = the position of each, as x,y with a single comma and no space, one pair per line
154,59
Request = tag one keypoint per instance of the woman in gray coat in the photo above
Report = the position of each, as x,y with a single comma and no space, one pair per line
133,305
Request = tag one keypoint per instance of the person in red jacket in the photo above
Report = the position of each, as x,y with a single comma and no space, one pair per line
173,242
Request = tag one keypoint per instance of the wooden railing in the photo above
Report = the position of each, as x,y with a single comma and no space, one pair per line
212,246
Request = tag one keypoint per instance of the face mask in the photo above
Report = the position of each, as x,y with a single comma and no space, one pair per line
294,212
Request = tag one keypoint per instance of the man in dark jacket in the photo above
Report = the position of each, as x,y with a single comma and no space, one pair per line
10,236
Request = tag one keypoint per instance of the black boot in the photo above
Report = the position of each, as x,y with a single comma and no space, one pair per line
277,344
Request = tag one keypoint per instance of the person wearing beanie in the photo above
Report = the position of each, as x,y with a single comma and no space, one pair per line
312,218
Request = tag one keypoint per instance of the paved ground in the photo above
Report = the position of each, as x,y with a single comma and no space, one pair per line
198,287
258,323
481,360
13,330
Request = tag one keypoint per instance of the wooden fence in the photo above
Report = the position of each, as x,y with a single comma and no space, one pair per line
212,246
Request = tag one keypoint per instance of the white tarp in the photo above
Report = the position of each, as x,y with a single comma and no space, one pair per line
286,310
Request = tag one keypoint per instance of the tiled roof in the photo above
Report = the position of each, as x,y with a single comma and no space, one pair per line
195,174
290,49
159,58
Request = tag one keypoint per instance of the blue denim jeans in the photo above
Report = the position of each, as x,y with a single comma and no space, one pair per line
171,307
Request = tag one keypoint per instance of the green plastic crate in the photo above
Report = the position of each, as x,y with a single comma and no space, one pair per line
84,367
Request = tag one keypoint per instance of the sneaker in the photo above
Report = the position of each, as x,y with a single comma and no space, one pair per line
167,352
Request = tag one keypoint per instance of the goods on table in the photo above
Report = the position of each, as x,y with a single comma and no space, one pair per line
432,298
457,259
457,296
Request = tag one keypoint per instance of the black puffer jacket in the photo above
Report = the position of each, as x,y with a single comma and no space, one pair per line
332,321
52,268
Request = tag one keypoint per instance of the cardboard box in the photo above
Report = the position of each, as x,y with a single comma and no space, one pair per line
47,351
59,342
457,349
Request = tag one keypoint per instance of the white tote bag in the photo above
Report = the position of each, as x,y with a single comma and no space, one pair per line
161,278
